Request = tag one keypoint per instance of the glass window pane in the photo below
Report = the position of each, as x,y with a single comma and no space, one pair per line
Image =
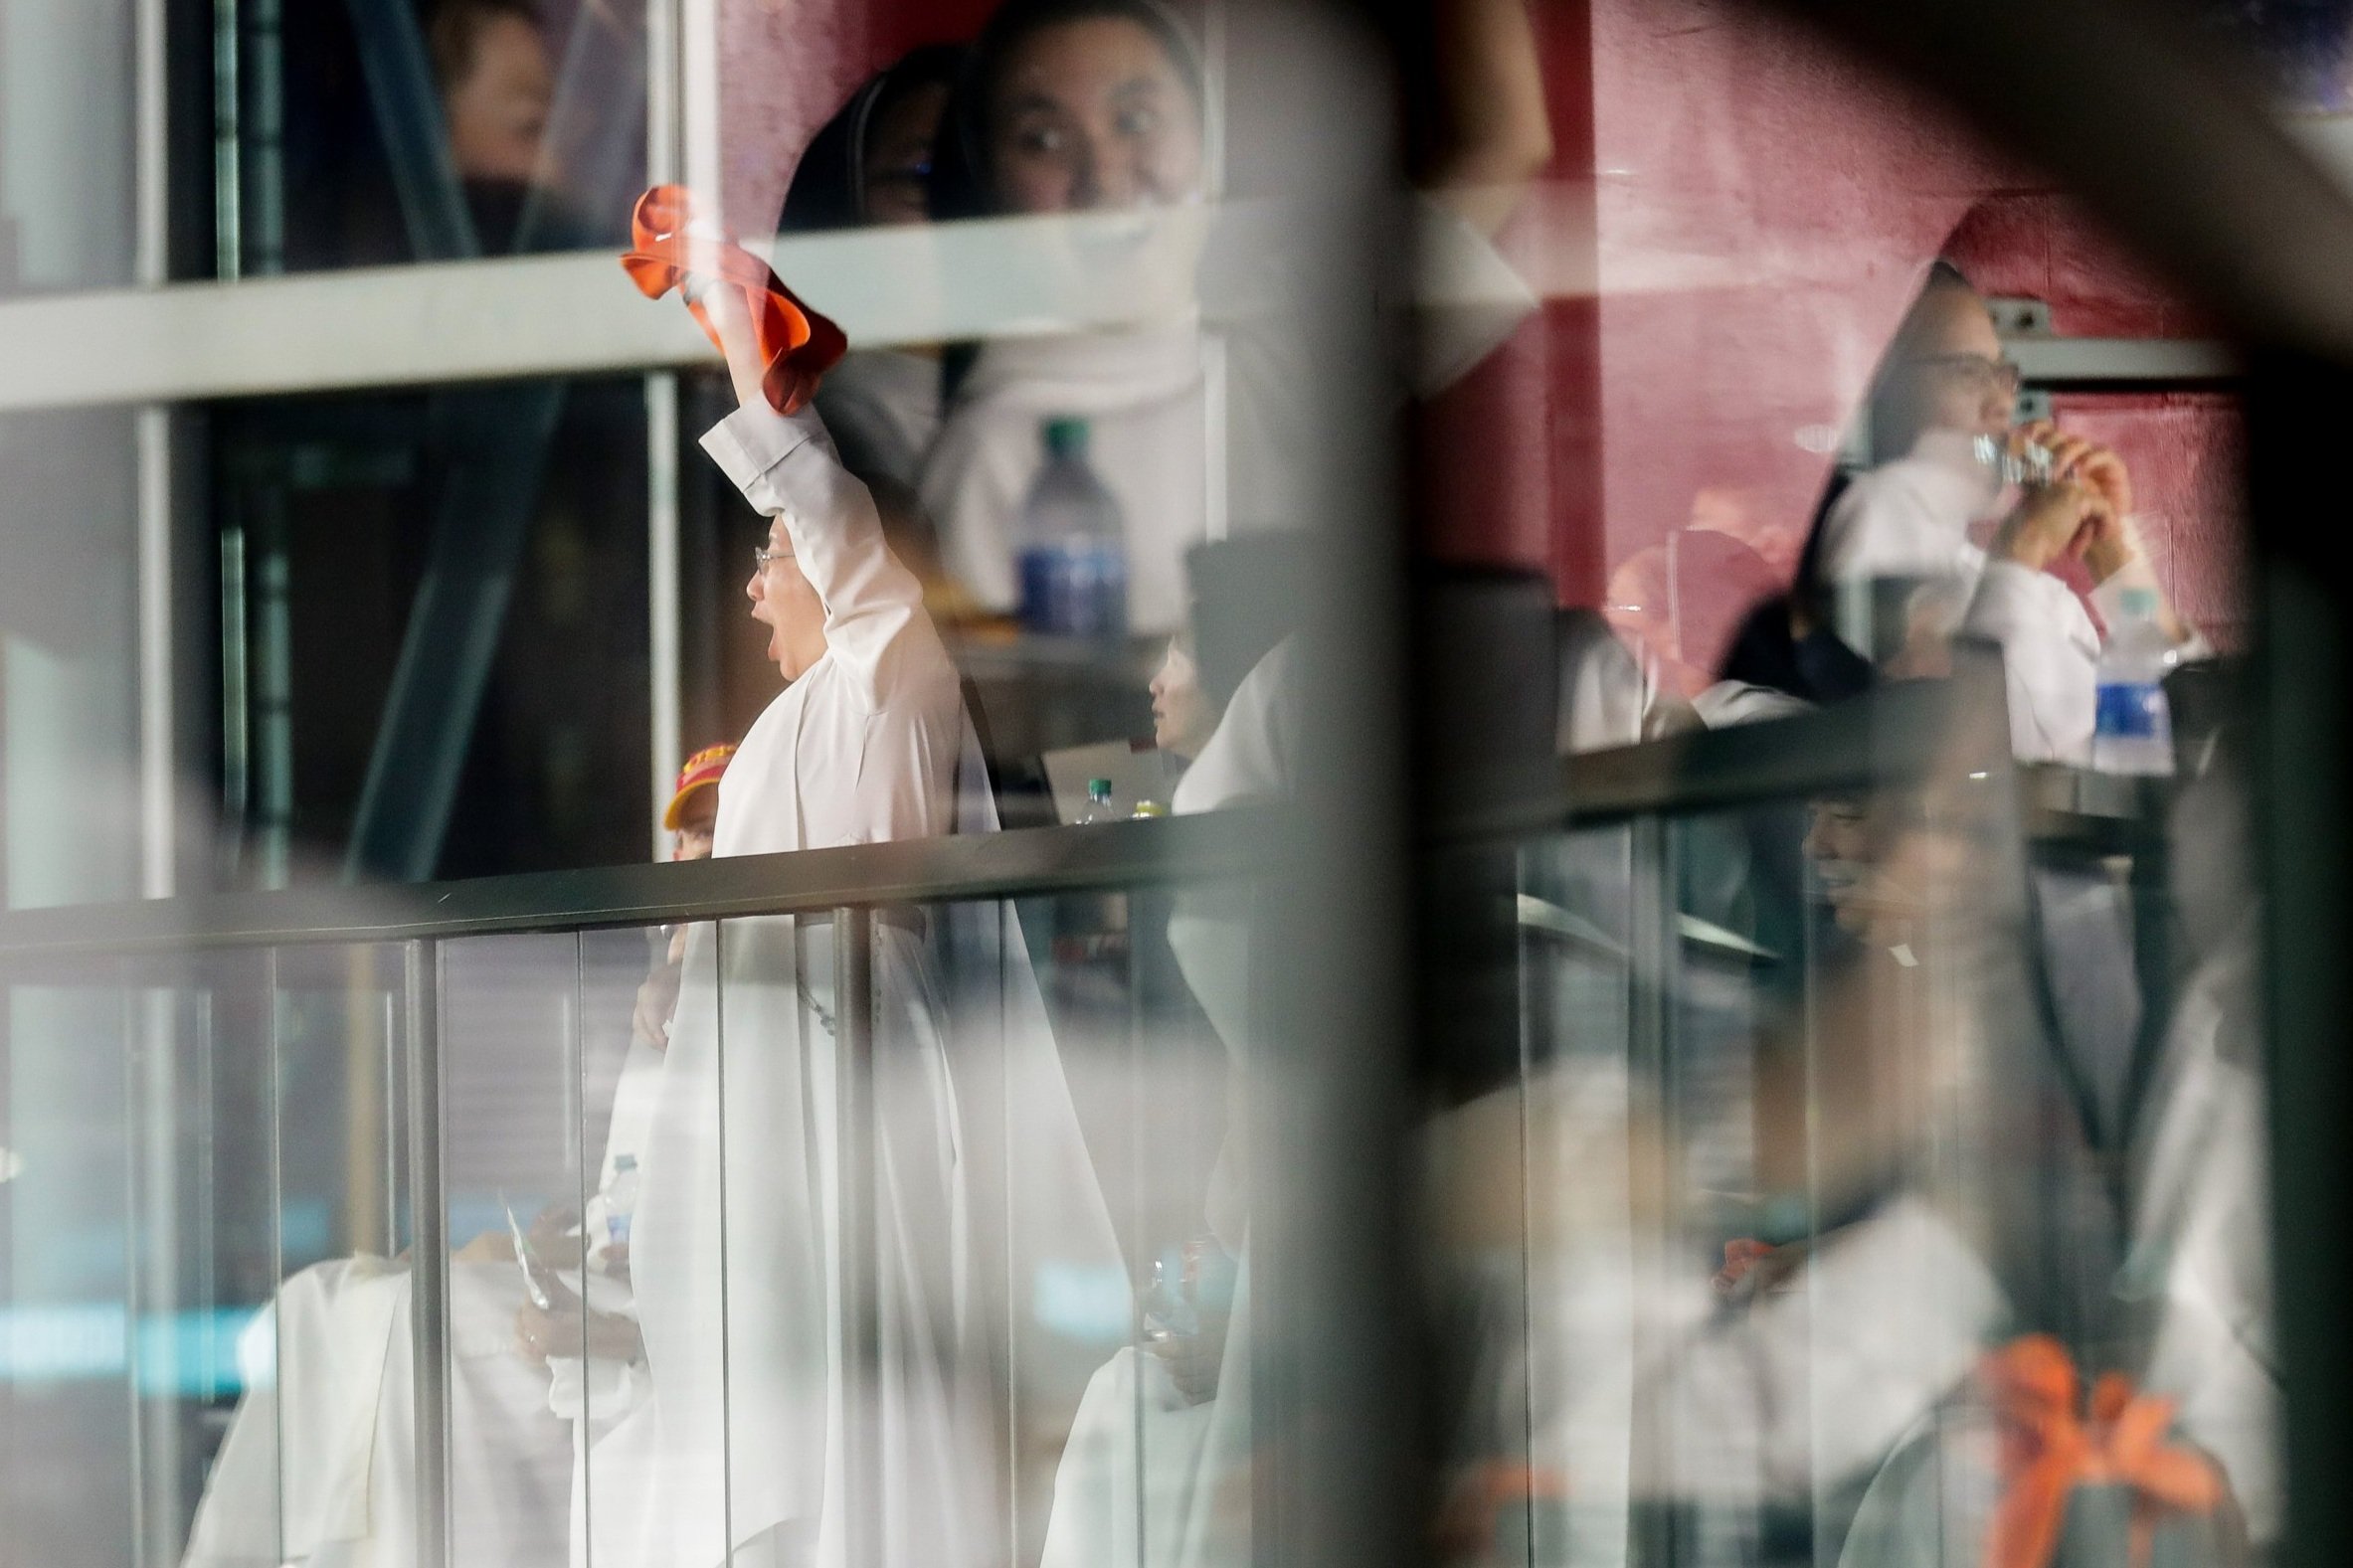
71,1129
417,595
339,138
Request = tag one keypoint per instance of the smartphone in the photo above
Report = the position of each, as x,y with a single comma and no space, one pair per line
537,1276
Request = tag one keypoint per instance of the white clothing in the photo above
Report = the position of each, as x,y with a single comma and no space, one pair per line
1911,519
2201,1240
333,1421
1195,435
881,406
1187,1467
2199,1260
1608,697
1731,702
1097,1513
330,1408
1143,395
733,1252
1248,758
1138,1446
737,1258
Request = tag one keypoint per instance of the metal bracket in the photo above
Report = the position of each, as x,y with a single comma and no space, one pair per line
2021,317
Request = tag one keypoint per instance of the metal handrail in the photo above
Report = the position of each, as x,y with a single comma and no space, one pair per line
1883,739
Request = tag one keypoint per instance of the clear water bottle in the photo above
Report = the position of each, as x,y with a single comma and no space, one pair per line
1074,554
620,1200
2133,729
1099,808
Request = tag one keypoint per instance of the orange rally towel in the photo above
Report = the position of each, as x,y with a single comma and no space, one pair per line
2046,1452
796,345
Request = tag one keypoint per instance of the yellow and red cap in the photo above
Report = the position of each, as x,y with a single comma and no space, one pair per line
701,772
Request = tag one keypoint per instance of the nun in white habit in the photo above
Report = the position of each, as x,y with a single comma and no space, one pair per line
738,1445
1944,385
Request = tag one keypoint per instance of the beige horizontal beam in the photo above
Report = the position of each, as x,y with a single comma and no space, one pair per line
577,314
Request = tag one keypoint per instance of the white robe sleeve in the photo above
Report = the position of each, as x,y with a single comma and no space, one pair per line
2049,660
786,467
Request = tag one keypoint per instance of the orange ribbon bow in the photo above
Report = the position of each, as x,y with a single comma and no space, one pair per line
796,345
2046,1452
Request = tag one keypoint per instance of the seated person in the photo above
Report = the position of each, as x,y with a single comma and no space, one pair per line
1184,714
318,1462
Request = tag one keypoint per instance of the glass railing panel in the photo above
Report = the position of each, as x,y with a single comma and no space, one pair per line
290,1224
1843,1118
205,1260
1130,1383
67,1289
1540,1208
516,1035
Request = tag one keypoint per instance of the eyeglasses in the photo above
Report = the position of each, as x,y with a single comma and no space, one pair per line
762,556
1983,369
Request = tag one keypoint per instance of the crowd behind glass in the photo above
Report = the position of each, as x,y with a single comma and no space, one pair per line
1941,1238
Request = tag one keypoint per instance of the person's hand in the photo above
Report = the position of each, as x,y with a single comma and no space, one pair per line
1194,1359
2047,524
2080,458
555,1232
2105,541
565,1327
658,1001
731,319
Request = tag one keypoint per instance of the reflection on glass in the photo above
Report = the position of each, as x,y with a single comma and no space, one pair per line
71,1121
455,129
414,591
1836,1107
317,1448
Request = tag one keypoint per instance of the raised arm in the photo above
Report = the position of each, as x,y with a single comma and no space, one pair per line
786,467
1495,128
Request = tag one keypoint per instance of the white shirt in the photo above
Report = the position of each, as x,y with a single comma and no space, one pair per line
1144,398
1910,519
734,1260
863,747
1197,434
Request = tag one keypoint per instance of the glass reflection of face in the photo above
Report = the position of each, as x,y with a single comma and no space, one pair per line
1093,114
1183,717
1885,865
497,112
786,603
898,157
1839,842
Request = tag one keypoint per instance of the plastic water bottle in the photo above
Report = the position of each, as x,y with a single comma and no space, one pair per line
1074,555
1099,808
2133,729
620,1200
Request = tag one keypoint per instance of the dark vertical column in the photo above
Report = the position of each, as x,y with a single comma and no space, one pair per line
860,1350
2297,416
429,1249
